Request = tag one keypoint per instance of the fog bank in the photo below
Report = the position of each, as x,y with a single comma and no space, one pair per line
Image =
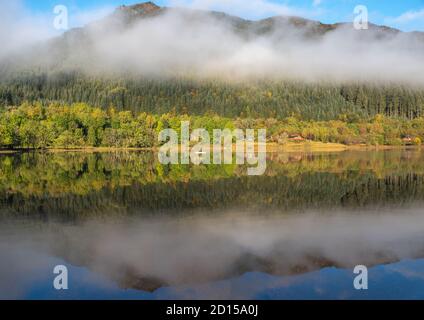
182,42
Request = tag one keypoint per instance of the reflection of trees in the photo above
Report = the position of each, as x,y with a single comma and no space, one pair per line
84,184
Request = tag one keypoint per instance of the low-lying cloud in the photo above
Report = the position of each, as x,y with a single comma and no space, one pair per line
194,43
19,28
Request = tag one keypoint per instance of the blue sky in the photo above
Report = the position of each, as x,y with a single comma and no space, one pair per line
406,15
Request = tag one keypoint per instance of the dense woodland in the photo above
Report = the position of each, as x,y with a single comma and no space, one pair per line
68,110
256,99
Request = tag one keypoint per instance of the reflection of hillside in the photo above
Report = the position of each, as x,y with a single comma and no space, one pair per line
150,253
82,185
130,280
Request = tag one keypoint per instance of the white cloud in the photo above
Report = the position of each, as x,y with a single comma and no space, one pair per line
177,43
19,28
316,3
410,16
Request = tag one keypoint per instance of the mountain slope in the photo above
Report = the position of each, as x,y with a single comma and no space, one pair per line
146,58
146,27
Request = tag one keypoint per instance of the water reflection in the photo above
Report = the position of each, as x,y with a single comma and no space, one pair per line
147,254
128,227
71,186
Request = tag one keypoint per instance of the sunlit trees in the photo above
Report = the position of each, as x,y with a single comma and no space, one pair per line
80,126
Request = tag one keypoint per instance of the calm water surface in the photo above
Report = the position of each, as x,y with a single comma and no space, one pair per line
129,227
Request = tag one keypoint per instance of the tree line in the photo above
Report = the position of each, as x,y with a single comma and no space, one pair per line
34,125
257,99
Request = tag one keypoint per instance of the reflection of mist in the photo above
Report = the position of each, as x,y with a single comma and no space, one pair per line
19,268
150,253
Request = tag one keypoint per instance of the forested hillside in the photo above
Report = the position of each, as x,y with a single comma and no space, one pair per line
159,60
264,99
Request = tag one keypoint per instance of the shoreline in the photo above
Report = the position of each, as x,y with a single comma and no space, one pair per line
271,147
